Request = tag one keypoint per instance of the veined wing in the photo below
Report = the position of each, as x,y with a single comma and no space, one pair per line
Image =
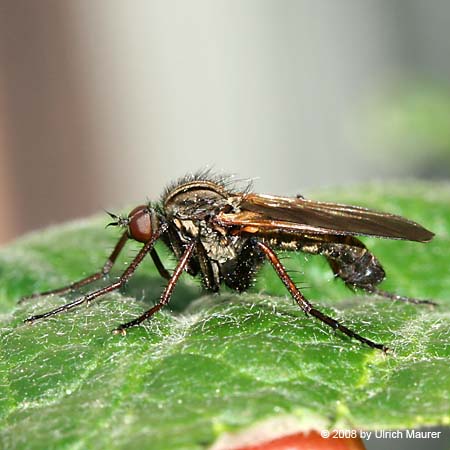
267,213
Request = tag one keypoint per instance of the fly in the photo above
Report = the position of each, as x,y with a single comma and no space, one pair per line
225,235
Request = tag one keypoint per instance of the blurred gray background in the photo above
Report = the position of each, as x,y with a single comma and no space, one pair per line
103,103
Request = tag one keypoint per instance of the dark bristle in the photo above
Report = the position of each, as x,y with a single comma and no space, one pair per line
227,182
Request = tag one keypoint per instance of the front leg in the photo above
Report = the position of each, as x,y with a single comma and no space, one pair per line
99,292
89,279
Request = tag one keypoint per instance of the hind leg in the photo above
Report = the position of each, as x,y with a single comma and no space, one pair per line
306,306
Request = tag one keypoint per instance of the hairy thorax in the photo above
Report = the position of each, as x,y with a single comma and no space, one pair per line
192,208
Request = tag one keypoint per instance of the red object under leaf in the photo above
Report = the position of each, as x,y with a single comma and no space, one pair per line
308,441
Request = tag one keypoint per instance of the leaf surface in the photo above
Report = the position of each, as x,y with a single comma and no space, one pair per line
222,363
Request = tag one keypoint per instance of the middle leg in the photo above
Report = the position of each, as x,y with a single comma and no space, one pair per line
165,296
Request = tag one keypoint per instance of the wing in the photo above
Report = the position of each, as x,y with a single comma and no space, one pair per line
267,213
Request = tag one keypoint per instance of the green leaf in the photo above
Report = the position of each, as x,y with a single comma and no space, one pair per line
222,363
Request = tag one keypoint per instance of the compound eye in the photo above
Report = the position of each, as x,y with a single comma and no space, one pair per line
139,224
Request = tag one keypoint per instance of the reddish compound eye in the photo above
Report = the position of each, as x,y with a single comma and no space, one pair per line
140,225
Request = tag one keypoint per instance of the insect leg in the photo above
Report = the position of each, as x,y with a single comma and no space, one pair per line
165,296
305,305
89,279
159,265
122,280
396,297
210,276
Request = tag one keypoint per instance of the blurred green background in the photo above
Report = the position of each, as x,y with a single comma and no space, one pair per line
103,103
